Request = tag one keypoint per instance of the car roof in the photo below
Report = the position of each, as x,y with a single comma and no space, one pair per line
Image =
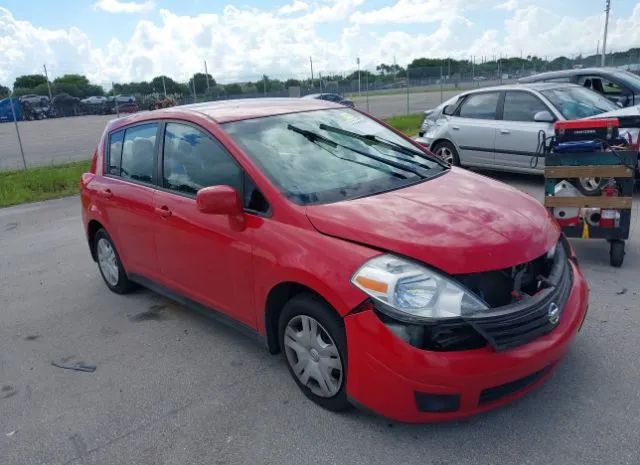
225,111
536,86
569,72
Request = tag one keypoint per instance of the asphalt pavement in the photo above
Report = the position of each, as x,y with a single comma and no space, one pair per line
61,140
174,387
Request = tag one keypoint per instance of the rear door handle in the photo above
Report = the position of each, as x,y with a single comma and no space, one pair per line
455,128
163,211
505,131
106,193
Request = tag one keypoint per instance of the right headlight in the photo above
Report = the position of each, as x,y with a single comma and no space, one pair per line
414,293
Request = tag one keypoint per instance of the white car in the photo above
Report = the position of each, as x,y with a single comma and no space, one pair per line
95,100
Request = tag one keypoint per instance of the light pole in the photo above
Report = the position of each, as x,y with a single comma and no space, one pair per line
606,27
359,92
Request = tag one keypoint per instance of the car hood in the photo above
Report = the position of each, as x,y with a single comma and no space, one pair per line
460,222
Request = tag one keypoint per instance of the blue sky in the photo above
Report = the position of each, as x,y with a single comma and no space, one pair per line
132,40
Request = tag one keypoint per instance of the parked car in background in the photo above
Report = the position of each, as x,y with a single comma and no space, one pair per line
95,100
501,128
619,86
329,97
386,278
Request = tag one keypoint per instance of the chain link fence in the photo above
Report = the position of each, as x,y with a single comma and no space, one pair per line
386,92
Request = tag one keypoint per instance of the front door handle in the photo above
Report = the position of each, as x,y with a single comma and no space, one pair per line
105,193
455,128
163,211
505,131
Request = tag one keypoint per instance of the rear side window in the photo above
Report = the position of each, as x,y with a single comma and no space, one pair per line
137,152
521,106
480,106
193,160
115,152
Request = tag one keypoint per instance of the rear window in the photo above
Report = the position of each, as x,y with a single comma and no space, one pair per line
115,152
480,106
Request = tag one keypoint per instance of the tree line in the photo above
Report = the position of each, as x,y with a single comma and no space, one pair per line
203,84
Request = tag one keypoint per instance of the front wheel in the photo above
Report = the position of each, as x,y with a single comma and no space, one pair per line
447,152
313,341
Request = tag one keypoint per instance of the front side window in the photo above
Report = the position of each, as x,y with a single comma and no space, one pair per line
313,157
138,152
521,106
193,160
115,152
575,102
480,106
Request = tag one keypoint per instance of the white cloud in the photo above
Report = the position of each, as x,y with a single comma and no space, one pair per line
509,5
242,43
409,11
117,6
296,7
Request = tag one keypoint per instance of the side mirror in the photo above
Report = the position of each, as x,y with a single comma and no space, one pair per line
543,117
219,200
448,110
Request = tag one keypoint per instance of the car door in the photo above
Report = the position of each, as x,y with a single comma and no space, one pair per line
472,128
207,258
517,137
125,196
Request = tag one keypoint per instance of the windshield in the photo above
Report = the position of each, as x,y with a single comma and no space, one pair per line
311,163
632,80
578,102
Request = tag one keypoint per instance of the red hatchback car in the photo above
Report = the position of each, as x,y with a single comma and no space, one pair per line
387,279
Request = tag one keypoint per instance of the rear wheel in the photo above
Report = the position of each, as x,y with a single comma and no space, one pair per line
616,253
447,152
313,342
110,265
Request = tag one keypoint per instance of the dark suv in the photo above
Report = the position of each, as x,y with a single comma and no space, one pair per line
619,86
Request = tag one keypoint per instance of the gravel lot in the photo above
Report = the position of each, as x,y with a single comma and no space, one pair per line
173,387
62,140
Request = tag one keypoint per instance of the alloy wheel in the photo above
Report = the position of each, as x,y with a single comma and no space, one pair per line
313,356
107,261
445,154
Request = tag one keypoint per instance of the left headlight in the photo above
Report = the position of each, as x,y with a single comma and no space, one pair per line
412,292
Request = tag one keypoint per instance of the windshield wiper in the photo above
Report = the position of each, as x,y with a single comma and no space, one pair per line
372,138
418,171
319,139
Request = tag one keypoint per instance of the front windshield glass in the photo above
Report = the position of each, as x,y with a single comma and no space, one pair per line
632,80
578,102
311,165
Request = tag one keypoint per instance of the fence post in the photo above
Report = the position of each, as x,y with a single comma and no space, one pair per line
441,89
408,84
366,94
15,121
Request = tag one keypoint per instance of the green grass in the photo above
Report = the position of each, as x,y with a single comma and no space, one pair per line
41,183
408,124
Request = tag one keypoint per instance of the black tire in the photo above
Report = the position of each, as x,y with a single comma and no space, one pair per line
616,253
123,285
309,305
443,149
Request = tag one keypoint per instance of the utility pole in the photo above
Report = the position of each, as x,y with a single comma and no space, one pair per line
206,74
606,27
115,99
15,121
359,92
193,85
164,87
264,84
47,77
311,63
